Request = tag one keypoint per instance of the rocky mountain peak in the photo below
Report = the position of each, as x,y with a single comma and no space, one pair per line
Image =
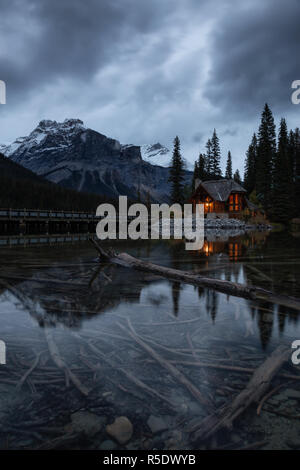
80,158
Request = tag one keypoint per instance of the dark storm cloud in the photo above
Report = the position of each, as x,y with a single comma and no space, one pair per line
47,40
230,131
143,71
255,56
198,137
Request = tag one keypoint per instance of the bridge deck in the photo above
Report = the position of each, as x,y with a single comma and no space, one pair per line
37,214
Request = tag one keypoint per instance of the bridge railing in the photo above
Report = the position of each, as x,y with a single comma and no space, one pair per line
45,214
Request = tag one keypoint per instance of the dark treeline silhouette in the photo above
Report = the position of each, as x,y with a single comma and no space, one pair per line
21,188
272,168
207,167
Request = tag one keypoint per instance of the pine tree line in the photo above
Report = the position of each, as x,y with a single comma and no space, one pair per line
208,167
272,173
272,168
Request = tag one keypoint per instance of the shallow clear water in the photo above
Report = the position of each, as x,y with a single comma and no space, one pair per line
118,331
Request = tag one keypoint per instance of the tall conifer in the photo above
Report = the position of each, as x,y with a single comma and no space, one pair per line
177,174
250,166
228,173
265,157
282,199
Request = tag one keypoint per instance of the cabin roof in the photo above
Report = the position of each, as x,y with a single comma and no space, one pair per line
220,190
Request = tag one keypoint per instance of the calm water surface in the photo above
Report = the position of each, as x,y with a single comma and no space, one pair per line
117,330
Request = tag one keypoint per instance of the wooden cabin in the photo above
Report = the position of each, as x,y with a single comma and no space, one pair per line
222,197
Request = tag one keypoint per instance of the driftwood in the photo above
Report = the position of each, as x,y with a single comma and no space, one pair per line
227,287
179,376
256,388
54,352
227,367
27,374
268,395
139,383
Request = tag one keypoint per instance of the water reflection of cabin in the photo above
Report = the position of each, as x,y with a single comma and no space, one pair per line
233,247
222,197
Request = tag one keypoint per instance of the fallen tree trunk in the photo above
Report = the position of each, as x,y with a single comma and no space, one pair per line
226,287
254,391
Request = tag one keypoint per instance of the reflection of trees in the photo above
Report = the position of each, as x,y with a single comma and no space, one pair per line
175,296
275,258
175,251
286,314
273,268
265,321
201,291
69,294
212,303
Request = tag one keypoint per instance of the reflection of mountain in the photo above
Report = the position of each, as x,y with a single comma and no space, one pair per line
59,299
69,293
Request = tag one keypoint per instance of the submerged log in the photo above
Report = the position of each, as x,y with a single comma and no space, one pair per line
179,376
61,364
226,287
254,391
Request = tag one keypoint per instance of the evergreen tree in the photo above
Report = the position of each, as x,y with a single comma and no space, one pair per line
216,156
291,152
282,199
177,174
228,173
296,171
209,160
199,170
202,167
195,175
237,177
294,158
266,150
250,166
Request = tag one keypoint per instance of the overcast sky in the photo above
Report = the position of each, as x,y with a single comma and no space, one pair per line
142,71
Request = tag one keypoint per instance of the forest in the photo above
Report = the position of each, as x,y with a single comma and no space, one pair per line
21,188
271,171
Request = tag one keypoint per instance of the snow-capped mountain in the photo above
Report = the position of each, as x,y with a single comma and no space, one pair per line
77,157
156,154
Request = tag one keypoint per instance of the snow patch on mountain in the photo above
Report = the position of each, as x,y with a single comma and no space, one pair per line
156,154
77,157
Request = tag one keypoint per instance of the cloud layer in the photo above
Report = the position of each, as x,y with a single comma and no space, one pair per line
145,71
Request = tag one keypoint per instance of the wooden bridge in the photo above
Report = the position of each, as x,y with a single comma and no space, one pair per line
24,221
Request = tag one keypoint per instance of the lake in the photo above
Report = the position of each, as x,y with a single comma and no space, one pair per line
88,343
